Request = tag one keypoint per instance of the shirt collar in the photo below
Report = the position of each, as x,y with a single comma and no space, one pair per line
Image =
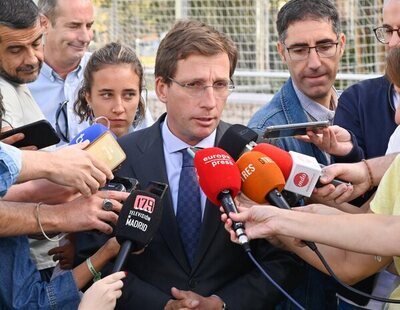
315,110
173,144
49,73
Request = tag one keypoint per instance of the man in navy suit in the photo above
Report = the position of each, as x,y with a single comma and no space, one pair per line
193,71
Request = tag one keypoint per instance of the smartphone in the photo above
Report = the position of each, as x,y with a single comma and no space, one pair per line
107,149
40,133
122,184
290,130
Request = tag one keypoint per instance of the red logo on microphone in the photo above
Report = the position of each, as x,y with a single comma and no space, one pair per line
301,179
144,203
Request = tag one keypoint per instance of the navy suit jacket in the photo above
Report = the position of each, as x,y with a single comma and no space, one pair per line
220,267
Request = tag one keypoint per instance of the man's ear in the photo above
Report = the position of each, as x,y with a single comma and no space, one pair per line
161,89
342,44
44,22
281,51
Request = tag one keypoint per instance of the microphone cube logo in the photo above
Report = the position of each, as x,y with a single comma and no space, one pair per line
301,179
144,203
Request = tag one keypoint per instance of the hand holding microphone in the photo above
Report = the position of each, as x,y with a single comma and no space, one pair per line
70,166
103,145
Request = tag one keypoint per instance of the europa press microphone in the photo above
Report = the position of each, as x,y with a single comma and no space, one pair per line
103,144
138,220
219,178
301,172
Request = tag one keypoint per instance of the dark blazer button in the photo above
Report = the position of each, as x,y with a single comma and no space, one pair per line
192,283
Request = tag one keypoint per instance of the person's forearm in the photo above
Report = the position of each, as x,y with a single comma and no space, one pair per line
379,165
40,190
350,267
81,273
21,218
364,233
35,165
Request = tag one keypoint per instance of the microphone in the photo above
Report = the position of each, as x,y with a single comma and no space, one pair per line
138,220
103,145
90,133
219,178
262,180
301,172
236,138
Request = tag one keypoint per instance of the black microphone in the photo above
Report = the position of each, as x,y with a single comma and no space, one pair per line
236,139
138,220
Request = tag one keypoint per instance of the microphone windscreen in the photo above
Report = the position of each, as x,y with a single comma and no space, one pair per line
235,139
279,156
217,171
91,133
139,219
260,175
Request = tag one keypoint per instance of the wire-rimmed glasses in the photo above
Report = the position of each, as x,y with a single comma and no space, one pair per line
324,50
196,89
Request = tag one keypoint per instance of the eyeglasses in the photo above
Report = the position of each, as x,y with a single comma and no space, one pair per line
196,89
62,110
385,33
324,50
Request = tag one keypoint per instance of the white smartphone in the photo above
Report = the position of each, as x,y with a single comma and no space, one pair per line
296,129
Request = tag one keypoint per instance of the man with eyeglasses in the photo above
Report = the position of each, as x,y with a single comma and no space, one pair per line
311,44
191,264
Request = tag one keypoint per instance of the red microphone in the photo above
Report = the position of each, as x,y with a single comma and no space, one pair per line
262,179
279,156
301,172
219,178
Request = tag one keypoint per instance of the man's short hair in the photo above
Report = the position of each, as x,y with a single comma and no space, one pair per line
298,10
190,37
48,8
18,14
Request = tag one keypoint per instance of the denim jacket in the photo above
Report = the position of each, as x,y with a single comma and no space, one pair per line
10,166
285,108
21,286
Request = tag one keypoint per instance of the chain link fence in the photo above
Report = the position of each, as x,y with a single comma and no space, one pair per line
251,24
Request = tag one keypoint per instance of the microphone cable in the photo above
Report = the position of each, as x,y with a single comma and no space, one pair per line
269,278
352,289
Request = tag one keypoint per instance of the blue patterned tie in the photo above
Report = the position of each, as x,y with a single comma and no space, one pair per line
188,212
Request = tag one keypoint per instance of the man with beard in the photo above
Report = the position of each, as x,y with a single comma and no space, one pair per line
21,57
